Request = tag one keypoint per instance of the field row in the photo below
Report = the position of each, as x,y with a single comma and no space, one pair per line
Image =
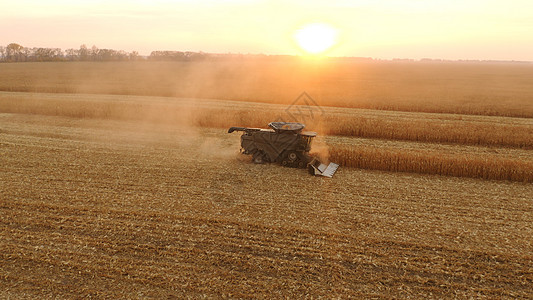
405,142
430,162
449,160
419,127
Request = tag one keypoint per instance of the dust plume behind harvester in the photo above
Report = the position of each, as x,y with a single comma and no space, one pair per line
284,143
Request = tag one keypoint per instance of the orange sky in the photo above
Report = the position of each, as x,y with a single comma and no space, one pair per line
452,29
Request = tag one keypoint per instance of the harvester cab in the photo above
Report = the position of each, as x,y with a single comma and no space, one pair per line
284,143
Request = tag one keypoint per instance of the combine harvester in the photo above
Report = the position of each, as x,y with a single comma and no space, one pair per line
284,143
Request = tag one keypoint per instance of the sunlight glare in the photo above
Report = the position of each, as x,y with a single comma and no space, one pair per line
316,38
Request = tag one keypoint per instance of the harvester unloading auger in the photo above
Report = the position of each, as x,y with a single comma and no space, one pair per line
284,143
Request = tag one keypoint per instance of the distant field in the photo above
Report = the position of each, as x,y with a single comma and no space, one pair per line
500,89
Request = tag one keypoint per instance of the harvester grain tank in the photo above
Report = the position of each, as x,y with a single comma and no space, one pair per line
284,143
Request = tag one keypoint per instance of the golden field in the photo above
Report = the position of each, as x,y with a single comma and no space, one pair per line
117,181
486,147
500,89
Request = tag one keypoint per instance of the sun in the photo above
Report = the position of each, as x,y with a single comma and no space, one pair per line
316,38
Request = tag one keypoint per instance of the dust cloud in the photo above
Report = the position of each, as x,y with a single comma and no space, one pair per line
320,149
167,96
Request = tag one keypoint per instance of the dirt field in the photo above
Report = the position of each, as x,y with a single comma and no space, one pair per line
125,208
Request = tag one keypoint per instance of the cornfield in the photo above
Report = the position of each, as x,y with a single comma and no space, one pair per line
423,129
457,88
431,162
433,128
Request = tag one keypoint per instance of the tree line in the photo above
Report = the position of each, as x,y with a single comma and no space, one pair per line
17,53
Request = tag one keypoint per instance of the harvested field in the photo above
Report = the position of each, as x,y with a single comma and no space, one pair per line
124,208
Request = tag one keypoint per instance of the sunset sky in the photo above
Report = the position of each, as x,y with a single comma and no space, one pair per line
448,29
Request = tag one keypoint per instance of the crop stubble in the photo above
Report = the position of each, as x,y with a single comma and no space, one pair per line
127,209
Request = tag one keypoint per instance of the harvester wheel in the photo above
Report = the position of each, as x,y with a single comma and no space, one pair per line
292,156
258,158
